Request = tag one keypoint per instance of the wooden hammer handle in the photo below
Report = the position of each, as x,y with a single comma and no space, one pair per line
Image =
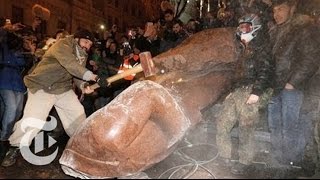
119,76
125,73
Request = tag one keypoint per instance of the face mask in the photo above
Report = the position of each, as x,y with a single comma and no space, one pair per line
246,37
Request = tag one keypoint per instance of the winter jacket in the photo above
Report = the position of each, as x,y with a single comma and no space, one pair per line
12,64
255,66
64,62
296,53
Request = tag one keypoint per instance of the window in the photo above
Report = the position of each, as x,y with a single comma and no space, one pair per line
17,14
126,8
116,22
124,26
98,4
109,21
133,10
116,3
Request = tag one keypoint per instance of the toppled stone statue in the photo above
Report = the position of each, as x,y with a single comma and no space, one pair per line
145,123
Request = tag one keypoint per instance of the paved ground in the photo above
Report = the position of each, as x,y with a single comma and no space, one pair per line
194,158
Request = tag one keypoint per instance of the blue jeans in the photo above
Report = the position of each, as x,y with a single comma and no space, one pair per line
288,138
12,103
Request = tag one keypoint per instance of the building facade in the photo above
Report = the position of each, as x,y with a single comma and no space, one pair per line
89,14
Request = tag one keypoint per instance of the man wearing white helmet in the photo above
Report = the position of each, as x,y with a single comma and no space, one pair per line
253,73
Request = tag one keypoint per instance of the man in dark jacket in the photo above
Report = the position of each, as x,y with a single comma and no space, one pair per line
12,88
296,53
253,72
50,84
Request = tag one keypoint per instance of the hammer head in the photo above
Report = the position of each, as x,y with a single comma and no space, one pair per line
147,64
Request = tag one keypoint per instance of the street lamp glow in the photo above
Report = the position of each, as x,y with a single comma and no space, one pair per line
102,27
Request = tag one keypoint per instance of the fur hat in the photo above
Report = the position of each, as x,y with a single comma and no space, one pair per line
41,12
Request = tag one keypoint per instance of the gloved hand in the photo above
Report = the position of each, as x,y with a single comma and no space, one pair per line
102,80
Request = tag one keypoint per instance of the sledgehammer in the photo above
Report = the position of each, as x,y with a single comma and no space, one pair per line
146,65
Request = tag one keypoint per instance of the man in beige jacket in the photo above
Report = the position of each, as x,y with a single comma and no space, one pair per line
50,84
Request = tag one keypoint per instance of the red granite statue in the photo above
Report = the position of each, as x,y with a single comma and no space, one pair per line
145,123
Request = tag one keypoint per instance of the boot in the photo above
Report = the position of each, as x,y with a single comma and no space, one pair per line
11,157
4,146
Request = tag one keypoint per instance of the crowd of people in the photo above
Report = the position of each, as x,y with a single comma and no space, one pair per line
279,55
